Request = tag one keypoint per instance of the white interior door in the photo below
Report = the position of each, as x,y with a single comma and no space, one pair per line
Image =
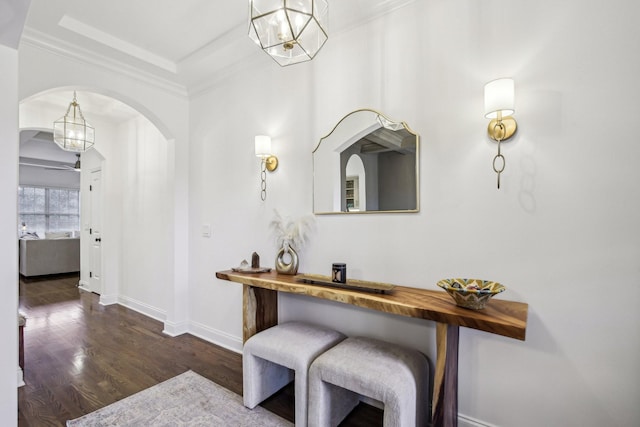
95,233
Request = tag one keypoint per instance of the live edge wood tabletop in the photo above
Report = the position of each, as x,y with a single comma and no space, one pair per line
501,317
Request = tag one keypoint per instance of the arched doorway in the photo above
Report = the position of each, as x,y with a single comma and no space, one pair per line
134,156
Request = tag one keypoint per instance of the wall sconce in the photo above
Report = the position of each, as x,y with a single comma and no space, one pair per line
498,106
269,162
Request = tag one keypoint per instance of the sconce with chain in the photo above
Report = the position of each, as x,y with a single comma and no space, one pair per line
498,106
268,162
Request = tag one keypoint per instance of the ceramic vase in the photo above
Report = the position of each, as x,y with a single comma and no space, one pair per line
283,267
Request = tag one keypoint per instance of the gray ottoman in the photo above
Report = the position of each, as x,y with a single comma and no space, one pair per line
394,375
270,358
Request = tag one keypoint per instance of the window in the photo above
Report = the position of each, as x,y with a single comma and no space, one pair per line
48,209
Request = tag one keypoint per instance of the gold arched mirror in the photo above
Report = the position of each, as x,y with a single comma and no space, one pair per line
366,164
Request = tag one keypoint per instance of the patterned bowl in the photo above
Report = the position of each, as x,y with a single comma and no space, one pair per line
471,293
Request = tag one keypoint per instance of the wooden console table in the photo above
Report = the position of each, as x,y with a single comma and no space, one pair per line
507,318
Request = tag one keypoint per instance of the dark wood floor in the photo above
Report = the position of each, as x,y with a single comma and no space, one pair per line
81,356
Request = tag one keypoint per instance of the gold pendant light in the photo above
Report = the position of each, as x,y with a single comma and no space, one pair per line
290,31
72,132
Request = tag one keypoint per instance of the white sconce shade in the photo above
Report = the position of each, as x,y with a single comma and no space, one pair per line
498,106
263,145
499,97
290,31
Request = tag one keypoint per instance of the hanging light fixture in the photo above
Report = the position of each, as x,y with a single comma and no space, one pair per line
72,132
290,31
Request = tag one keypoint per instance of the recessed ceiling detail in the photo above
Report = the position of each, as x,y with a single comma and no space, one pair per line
183,47
106,39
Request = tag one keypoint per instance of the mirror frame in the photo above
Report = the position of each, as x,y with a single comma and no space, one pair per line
417,166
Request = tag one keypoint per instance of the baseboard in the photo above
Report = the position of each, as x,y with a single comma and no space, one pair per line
466,421
20,377
199,330
216,337
108,299
84,285
143,308
174,329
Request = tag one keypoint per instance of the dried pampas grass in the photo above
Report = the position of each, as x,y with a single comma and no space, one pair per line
292,233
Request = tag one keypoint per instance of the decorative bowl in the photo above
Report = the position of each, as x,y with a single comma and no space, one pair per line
471,293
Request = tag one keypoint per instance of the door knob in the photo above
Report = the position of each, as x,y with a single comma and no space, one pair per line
98,239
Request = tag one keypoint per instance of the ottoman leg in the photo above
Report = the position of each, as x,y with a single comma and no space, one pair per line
328,403
261,379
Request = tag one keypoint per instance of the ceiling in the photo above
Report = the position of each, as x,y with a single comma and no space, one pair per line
185,42
39,145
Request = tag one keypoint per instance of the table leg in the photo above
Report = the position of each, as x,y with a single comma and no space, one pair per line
445,385
260,310
21,346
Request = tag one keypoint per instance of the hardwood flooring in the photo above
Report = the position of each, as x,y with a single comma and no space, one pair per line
81,356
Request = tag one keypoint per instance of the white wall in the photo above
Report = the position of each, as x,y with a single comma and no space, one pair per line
225,184
146,203
8,235
561,234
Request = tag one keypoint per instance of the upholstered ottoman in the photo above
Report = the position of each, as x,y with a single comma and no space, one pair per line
394,375
270,358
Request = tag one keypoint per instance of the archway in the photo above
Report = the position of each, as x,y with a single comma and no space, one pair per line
355,185
135,153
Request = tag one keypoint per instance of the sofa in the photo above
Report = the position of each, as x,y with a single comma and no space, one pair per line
49,256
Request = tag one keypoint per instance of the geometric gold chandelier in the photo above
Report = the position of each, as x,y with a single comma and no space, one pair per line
72,132
290,31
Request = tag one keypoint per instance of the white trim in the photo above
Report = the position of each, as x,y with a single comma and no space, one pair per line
215,78
108,299
115,43
83,285
61,48
140,307
214,336
249,60
467,421
174,329
20,377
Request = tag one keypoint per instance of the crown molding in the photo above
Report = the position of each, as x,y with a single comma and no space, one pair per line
375,11
66,50
248,61
116,43
216,78
217,69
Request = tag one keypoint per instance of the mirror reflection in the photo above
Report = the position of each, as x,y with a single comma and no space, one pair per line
367,163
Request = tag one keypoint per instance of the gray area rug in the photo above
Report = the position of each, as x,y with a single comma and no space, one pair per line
185,400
